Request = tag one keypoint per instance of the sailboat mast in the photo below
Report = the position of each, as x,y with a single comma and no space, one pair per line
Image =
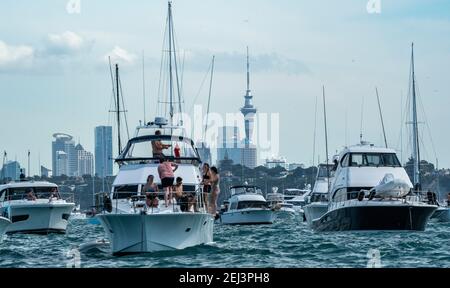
209,96
326,137
381,118
170,64
118,109
416,151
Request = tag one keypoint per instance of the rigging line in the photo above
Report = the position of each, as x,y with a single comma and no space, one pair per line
176,74
419,97
124,109
200,88
143,83
326,138
161,66
381,117
113,89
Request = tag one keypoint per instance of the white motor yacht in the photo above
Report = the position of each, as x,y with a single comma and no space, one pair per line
317,201
77,214
297,197
371,191
247,205
282,209
35,207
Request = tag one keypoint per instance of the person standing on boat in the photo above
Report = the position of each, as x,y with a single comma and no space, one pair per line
150,189
215,190
165,171
158,146
206,184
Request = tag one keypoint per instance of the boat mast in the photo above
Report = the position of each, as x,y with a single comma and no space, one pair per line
326,138
381,118
118,109
416,150
170,64
209,97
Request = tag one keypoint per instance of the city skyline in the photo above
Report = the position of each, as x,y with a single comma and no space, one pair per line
295,48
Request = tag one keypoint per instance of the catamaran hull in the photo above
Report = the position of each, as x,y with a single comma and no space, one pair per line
134,233
248,217
404,217
442,214
314,211
42,218
4,223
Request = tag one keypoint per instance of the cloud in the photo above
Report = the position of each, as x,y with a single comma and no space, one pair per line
15,55
66,43
236,62
120,55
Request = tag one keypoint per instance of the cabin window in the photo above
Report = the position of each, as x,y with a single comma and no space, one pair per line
373,160
357,160
233,206
125,191
252,204
2,195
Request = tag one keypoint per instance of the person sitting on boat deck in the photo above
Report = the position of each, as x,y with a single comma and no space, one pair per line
30,194
185,199
158,146
150,189
165,171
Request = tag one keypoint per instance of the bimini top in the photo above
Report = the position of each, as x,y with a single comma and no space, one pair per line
139,149
27,184
245,189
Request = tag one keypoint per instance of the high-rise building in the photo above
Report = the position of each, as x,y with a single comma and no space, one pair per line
45,172
11,170
85,161
64,143
229,145
103,151
61,163
249,152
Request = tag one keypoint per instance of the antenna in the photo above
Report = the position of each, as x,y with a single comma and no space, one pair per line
209,96
29,163
362,117
326,137
248,71
381,117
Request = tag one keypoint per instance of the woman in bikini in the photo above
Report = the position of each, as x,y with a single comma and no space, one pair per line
215,190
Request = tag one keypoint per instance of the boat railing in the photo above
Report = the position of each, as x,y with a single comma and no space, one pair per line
364,195
146,202
51,196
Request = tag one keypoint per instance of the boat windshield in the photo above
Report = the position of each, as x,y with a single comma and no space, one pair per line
245,189
323,171
31,193
371,160
154,147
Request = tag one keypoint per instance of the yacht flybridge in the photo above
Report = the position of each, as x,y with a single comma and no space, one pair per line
372,191
35,207
247,206
138,221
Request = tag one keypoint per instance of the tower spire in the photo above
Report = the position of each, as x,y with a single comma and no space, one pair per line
248,73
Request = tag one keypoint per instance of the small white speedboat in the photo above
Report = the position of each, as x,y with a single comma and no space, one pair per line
391,187
247,206
34,207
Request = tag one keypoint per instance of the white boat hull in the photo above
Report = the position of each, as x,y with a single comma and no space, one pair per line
40,218
135,233
314,210
4,223
248,216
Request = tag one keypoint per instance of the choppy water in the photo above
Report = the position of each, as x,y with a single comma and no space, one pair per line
284,244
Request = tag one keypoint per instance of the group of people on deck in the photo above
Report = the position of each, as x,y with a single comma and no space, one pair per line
166,169
186,199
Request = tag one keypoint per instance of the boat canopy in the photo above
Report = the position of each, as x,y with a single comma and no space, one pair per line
245,189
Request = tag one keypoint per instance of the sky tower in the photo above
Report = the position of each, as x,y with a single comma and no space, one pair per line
248,110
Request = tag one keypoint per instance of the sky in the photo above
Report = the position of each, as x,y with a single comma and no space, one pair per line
54,75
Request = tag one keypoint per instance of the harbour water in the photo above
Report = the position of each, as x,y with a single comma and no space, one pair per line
284,244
